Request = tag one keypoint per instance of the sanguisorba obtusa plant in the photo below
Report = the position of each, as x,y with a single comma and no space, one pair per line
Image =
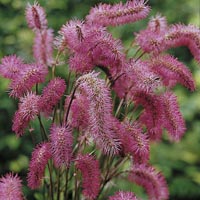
114,106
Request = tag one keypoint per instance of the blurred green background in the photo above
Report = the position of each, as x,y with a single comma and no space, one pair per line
180,162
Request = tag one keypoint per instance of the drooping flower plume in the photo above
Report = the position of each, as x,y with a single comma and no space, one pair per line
89,168
11,187
61,145
27,111
51,94
117,14
39,159
151,180
100,109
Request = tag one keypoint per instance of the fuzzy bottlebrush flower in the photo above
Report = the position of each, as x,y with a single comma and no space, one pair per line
106,14
172,71
152,116
173,120
28,110
40,156
79,114
135,142
121,195
10,187
36,17
152,181
10,66
100,109
51,95
43,47
27,78
91,180
182,35
61,145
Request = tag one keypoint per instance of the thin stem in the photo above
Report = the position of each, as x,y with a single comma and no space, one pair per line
51,181
119,107
66,184
142,54
58,188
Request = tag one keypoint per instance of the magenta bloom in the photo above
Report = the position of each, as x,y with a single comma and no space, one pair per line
117,14
43,47
91,180
51,95
173,119
122,195
61,145
152,181
100,112
172,71
11,187
40,156
27,78
36,17
10,66
27,111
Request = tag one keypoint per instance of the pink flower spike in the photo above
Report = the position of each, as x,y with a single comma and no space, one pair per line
172,71
40,156
31,75
43,47
151,180
10,66
122,195
89,168
173,119
35,16
51,95
11,187
61,145
117,14
28,109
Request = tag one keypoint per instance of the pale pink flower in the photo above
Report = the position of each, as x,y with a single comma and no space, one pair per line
100,112
11,187
117,14
39,159
61,142
173,119
27,111
122,195
91,180
43,47
10,66
35,16
27,78
51,95
151,180
172,71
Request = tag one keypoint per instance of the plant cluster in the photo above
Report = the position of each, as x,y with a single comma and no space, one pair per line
105,112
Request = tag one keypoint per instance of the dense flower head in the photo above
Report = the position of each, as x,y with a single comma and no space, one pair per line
174,122
35,16
61,145
10,66
100,112
91,180
172,71
117,14
10,187
152,181
51,95
27,78
122,195
43,47
39,159
27,111
135,142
